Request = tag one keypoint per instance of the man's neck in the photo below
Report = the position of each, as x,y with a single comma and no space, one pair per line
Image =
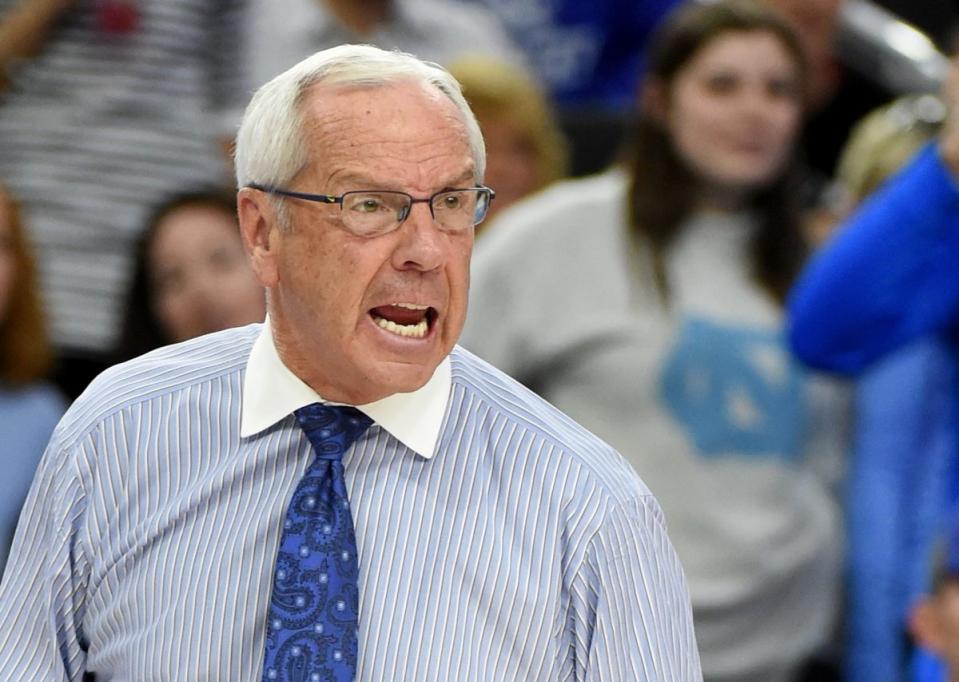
361,16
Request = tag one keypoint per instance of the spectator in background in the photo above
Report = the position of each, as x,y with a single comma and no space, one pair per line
837,97
525,149
588,56
191,275
904,439
110,106
280,33
888,276
884,286
29,407
816,23
646,303
883,142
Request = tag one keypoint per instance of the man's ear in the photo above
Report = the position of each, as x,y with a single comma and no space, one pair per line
924,625
260,233
654,99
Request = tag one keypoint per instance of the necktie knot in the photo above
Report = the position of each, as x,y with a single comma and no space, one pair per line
332,429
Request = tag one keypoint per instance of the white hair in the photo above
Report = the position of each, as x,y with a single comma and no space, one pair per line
269,143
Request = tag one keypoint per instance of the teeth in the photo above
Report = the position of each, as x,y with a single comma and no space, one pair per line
417,331
411,306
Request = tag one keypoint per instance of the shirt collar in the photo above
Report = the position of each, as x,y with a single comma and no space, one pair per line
271,392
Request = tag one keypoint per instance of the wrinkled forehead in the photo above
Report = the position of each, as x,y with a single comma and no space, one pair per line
402,121
393,111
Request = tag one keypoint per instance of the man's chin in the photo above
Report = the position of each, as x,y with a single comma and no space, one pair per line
401,377
387,363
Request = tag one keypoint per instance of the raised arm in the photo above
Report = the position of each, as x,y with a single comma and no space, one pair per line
889,275
24,30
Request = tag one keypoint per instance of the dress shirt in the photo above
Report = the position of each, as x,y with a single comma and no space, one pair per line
271,392
523,549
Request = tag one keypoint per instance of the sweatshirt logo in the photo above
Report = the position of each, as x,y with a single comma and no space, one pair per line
735,391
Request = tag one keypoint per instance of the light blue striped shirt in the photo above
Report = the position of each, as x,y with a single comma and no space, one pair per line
523,549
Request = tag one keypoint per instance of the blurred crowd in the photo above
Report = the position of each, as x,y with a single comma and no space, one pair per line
713,243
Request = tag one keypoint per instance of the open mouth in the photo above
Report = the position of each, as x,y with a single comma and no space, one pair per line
411,320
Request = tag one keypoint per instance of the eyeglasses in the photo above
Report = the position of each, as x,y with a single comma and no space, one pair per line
371,213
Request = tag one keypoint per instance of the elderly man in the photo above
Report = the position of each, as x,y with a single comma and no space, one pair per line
217,510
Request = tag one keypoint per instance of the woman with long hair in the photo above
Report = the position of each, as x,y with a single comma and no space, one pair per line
191,275
29,407
646,302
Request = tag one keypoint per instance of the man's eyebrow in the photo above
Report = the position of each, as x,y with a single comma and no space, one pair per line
467,177
362,180
349,180
464,179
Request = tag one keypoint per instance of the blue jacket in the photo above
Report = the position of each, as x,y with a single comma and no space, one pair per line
890,275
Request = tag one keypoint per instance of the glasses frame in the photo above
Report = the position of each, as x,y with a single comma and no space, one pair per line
338,199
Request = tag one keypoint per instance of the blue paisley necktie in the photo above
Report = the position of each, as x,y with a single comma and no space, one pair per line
312,626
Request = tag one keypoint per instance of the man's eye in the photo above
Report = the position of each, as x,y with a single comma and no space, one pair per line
451,201
368,205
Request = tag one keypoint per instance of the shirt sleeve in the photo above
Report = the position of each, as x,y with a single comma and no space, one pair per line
904,445
631,611
42,596
887,277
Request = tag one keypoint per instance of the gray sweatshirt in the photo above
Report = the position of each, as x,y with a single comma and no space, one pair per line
742,447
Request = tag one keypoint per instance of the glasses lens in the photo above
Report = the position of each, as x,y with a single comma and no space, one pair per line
460,209
371,213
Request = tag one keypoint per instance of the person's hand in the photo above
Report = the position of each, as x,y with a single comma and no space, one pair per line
24,28
949,137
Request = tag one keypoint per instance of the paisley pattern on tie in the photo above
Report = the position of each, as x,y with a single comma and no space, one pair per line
312,624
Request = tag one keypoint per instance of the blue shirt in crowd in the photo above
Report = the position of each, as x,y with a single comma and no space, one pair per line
27,417
887,288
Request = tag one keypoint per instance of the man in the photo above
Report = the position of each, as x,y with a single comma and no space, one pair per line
479,534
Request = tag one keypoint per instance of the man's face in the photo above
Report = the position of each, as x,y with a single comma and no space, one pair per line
348,312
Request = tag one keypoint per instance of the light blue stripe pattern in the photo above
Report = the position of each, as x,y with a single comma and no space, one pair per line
526,549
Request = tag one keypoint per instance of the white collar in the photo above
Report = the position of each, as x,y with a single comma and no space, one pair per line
271,392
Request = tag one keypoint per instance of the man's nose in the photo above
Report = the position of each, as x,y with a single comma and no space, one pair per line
421,243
